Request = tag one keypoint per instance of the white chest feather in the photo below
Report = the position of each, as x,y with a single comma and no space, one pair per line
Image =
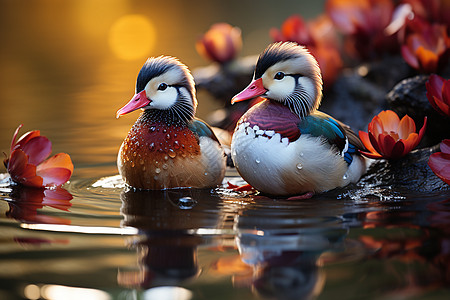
275,166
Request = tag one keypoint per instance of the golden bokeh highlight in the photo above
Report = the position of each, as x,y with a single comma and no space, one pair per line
132,37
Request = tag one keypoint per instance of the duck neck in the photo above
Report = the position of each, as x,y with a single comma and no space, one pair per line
167,117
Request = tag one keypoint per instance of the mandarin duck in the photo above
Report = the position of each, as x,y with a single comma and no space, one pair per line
168,147
283,145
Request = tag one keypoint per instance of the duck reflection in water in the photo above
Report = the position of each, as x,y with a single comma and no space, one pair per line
167,246
284,250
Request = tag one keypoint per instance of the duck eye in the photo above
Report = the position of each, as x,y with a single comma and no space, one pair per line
162,86
279,76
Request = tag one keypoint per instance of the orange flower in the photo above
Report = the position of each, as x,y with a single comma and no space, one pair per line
438,93
220,43
389,137
427,50
439,162
26,163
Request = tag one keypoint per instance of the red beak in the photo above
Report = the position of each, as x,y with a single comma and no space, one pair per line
139,100
253,90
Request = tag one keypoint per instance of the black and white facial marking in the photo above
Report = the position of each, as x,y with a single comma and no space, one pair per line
291,76
170,88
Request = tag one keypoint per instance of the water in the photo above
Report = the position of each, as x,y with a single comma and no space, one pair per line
118,243
96,239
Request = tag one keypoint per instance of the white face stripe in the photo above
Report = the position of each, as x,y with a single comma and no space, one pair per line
279,89
165,99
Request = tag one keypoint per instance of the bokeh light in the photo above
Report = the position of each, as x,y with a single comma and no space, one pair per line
132,37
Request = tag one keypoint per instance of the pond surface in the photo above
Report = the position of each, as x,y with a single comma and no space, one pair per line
97,239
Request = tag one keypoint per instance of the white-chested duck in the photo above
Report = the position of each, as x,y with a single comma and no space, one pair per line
283,145
168,147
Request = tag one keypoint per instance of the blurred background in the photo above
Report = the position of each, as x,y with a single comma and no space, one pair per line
67,66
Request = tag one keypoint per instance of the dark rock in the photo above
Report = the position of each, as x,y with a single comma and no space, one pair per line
360,93
411,172
353,100
409,97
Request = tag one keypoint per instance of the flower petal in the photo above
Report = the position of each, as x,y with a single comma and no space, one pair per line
38,149
23,140
387,143
409,57
376,126
364,136
390,120
371,155
13,141
17,162
29,177
21,171
406,126
60,160
442,107
410,142
446,92
428,59
56,170
374,143
445,146
398,150
440,165
54,176
434,85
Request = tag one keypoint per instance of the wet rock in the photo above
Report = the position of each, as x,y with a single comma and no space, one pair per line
409,97
411,172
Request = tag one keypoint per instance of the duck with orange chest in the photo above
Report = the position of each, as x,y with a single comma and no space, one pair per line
168,147
283,145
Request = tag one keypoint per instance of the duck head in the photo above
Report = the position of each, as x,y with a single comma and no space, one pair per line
165,87
286,72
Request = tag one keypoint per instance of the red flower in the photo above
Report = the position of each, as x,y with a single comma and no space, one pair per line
26,163
363,22
319,37
220,43
438,93
439,162
293,29
389,137
427,50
